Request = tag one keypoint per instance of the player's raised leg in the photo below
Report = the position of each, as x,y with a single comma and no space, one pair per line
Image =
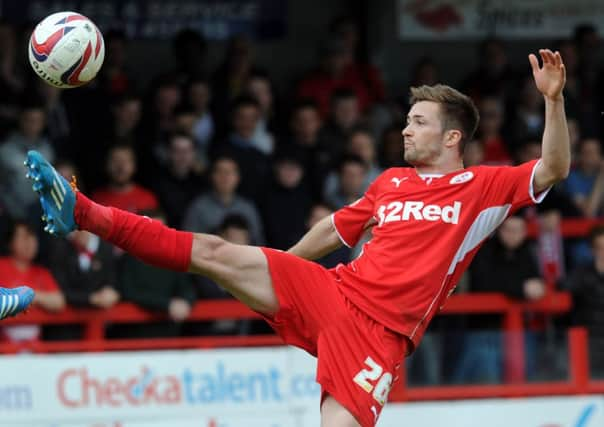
241,270
15,300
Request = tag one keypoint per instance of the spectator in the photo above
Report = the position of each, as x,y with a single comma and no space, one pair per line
114,77
352,172
15,189
228,82
198,96
123,128
496,149
254,165
305,136
85,269
505,264
528,119
346,29
122,192
345,116
286,203
260,87
361,144
207,211
126,113
336,71
587,286
157,290
494,75
177,184
19,269
159,118
585,183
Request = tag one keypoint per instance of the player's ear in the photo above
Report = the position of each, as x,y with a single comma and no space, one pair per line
452,138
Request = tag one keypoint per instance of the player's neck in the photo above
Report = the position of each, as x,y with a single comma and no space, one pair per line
438,169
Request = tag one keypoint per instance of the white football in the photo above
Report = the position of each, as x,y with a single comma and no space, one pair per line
66,49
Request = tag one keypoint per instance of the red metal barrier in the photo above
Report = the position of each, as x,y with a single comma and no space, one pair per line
511,311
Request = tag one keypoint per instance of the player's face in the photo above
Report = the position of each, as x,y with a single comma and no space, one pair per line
423,136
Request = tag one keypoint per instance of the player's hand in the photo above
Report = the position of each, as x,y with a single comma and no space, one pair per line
551,76
179,309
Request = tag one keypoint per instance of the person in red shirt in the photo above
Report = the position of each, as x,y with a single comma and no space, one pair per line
122,192
17,269
337,70
362,318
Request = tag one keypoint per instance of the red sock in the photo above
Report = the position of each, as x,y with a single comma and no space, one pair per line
149,240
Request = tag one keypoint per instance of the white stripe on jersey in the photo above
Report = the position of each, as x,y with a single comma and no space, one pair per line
485,223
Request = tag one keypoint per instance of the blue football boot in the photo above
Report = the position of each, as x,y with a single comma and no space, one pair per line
56,195
14,301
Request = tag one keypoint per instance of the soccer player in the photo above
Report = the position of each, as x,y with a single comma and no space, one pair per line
362,318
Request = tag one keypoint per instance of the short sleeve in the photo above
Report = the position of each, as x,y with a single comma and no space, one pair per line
350,221
514,185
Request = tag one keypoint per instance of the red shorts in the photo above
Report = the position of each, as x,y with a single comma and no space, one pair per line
358,358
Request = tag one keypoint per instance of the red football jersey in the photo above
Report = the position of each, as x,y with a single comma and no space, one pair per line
426,233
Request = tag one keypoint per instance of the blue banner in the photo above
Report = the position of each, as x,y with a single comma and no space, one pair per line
160,19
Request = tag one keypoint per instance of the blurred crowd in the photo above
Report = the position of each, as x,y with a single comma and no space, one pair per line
223,150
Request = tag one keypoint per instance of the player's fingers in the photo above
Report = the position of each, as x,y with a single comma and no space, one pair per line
534,62
558,59
551,56
543,56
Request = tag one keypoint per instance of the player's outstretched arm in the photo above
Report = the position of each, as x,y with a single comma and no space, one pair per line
555,149
320,240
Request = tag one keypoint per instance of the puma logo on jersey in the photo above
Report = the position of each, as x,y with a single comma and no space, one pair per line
405,211
397,181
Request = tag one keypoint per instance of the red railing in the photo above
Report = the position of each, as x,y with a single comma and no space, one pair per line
94,322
